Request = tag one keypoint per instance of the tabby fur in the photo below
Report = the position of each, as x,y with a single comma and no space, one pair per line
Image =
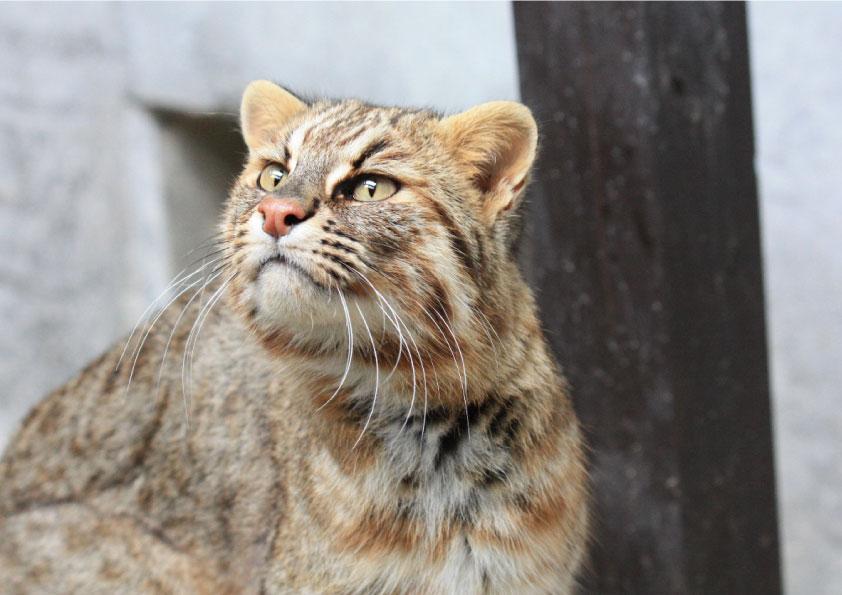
365,405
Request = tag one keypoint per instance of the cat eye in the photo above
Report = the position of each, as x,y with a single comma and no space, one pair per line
271,177
371,188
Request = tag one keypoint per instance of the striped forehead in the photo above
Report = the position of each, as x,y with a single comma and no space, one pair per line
335,127
337,137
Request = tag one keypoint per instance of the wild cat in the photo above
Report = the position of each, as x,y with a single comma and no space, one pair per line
352,395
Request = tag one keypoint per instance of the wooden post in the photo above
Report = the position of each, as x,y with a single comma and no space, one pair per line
642,243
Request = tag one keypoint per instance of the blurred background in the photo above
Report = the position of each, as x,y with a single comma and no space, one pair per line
118,140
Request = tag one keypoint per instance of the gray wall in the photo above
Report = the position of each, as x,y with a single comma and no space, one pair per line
101,187
796,52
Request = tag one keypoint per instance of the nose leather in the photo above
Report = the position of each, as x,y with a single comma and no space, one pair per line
280,215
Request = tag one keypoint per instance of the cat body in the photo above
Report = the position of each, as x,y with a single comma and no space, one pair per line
354,397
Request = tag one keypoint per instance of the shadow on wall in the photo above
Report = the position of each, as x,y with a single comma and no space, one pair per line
201,156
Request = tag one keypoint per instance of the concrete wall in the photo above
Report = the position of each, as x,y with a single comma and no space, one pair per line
797,79
98,175
79,235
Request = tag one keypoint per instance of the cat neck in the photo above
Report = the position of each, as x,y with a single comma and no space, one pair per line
422,429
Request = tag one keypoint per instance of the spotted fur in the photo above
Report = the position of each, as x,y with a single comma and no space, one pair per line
365,405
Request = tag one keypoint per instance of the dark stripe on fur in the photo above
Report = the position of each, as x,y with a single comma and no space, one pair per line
369,152
452,439
457,240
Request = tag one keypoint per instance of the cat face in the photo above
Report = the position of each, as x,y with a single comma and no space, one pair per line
394,221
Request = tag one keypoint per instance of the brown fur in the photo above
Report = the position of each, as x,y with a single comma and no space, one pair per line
253,457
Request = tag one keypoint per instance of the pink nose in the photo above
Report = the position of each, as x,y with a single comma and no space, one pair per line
280,215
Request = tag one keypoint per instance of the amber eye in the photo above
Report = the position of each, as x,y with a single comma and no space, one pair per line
372,188
271,177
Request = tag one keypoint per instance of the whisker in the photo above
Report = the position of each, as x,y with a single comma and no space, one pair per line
169,341
452,353
423,376
208,255
486,327
207,281
175,281
376,376
400,322
464,371
211,303
350,329
202,304
382,300
223,262
149,330
207,244
202,313
401,341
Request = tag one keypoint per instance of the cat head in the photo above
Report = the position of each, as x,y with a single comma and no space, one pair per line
397,222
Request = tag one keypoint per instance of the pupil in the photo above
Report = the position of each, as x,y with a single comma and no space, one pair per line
372,185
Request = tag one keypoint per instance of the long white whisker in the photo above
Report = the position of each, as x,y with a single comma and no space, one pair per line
400,323
376,376
172,334
170,338
394,319
149,330
197,322
175,281
394,323
350,328
185,385
464,370
211,303
446,342
423,377
486,326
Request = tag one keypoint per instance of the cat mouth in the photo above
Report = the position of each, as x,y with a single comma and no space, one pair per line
283,261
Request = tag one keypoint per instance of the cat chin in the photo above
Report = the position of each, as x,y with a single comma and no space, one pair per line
286,299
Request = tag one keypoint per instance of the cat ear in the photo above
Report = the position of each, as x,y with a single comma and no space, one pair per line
497,142
265,108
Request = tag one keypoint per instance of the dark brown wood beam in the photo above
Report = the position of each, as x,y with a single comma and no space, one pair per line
642,243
